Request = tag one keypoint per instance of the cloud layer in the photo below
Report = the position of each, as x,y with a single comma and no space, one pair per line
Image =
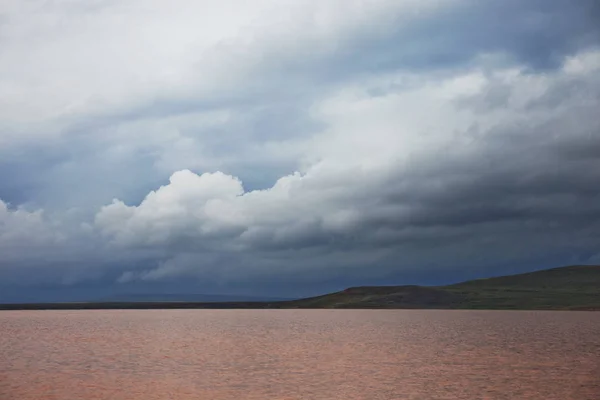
395,140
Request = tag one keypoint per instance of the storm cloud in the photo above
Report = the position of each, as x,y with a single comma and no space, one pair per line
288,147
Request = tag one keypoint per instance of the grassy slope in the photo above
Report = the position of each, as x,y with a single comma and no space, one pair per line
574,287
566,287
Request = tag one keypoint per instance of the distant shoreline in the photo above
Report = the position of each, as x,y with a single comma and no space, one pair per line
238,306
566,288
144,305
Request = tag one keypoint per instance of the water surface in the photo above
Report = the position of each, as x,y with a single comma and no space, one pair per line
299,354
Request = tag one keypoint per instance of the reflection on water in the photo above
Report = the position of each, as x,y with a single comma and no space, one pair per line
299,354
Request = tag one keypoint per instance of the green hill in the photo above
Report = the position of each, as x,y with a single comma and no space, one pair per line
573,287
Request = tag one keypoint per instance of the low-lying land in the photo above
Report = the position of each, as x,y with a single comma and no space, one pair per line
565,288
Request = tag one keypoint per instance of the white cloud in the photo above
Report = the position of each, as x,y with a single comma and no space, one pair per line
21,230
169,211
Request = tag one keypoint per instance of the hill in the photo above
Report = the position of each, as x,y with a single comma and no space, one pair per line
564,288
573,287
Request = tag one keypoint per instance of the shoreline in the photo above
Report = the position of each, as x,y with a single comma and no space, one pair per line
247,306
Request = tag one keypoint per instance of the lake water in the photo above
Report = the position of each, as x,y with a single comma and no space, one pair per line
299,354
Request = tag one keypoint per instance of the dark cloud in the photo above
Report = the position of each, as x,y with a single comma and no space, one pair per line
538,34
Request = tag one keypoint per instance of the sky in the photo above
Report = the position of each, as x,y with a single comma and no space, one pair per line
293,147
